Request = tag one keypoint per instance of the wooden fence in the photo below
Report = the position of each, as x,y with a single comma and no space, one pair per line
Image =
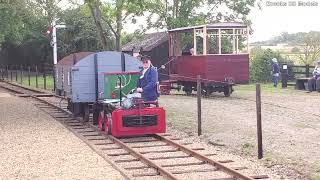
40,76
302,71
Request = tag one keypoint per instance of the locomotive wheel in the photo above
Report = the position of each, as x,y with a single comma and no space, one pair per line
86,113
108,124
227,91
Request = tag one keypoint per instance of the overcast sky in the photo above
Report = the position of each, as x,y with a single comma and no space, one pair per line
275,18
272,20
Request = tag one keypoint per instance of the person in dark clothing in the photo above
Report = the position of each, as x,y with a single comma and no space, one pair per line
314,82
275,72
188,50
148,82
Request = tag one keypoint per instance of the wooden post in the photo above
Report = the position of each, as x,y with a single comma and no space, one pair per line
44,79
2,72
29,71
194,41
233,41
259,126
17,73
307,70
21,73
7,72
237,41
37,76
204,39
199,103
11,75
219,37
54,69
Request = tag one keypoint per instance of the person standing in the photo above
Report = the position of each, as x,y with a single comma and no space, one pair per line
275,72
314,82
148,80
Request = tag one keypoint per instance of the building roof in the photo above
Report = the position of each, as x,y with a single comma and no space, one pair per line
147,42
73,58
220,25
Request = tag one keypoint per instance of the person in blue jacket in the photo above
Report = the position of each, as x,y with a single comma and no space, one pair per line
148,81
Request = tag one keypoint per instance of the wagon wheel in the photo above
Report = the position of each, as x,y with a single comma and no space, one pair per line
227,90
188,92
206,91
101,120
86,113
95,116
108,124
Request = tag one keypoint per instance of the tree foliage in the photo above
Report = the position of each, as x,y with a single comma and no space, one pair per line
311,48
261,64
113,14
80,34
21,27
97,25
176,13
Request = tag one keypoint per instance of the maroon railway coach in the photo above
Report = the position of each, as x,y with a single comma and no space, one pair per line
217,52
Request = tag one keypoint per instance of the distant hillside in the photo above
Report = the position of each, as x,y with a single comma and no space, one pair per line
286,38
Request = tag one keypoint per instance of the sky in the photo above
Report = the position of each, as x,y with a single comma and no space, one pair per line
276,16
272,20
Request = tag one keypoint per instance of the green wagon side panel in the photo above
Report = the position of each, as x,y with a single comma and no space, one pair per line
112,84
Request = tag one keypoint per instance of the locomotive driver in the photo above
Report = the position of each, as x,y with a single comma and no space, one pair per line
148,80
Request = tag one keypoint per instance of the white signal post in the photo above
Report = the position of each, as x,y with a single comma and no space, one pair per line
54,39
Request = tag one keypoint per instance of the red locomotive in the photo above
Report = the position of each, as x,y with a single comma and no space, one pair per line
130,115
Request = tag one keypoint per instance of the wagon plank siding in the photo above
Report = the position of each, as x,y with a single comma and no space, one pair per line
83,75
220,66
213,67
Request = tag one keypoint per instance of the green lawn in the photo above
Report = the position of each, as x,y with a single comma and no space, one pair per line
25,81
265,87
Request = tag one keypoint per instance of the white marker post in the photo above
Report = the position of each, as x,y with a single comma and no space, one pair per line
55,48
54,39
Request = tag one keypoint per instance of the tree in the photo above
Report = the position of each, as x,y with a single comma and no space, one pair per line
114,14
311,48
14,16
261,64
21,27
94,6
81,34
176,13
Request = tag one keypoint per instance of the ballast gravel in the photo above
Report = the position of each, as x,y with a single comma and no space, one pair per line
35,146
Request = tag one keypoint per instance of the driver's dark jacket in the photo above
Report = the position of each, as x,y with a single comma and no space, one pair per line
149,84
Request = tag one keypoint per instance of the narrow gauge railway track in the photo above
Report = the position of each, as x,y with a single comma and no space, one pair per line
152,157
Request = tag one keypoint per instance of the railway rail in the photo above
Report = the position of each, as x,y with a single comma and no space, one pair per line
155,156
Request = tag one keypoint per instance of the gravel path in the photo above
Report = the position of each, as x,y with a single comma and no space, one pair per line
291,136
35,146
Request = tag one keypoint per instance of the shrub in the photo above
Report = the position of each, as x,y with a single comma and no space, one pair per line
261,64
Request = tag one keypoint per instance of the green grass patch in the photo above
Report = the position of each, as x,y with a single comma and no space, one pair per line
316,177
33,82
247,148
267,87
